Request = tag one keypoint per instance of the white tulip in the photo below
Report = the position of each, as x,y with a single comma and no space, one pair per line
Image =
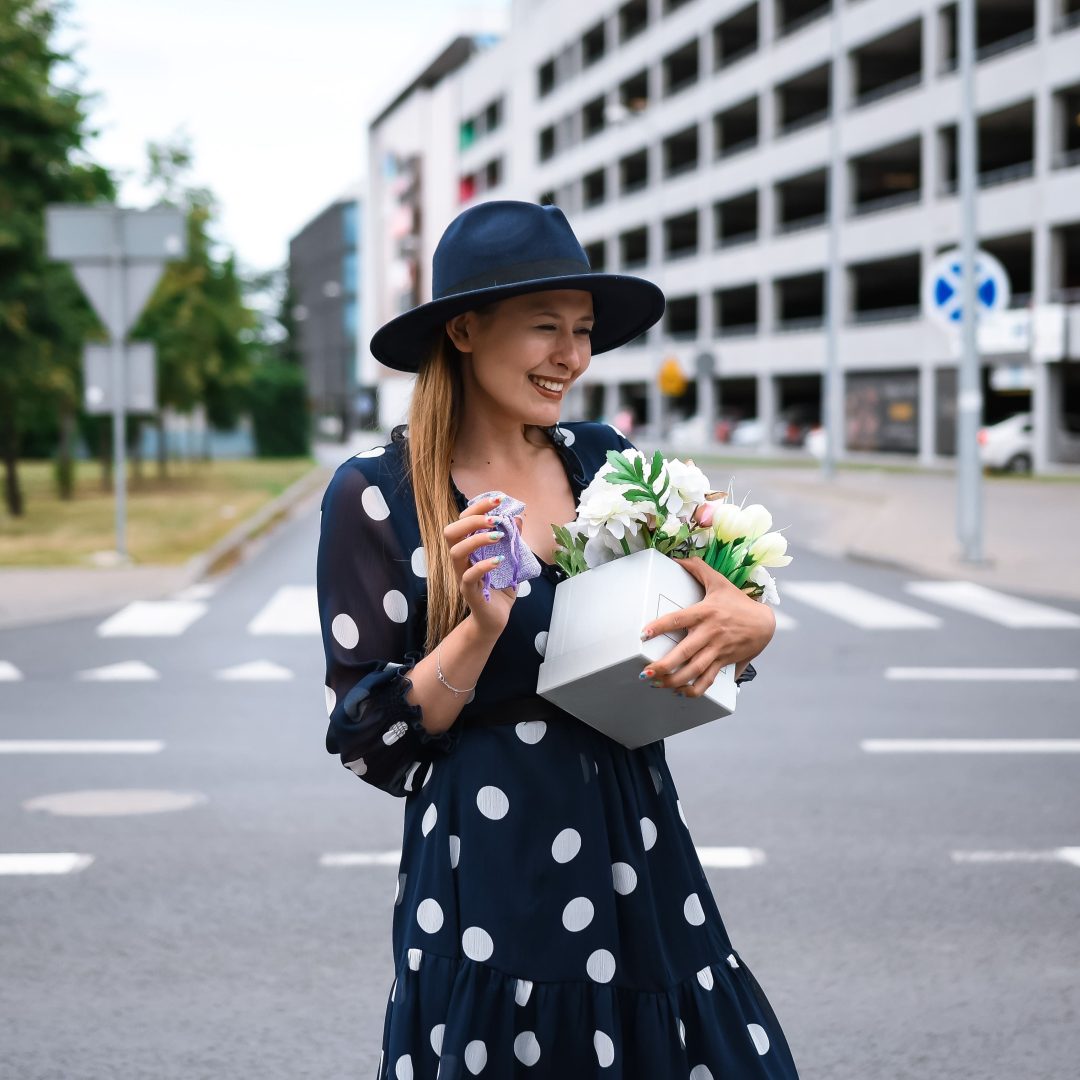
754,521
769,550
726,523
760,576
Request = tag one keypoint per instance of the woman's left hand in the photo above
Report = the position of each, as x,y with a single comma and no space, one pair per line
727,627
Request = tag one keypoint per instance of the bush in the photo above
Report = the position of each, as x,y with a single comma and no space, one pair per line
279,410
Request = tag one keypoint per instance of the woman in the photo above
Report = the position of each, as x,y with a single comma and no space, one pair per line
552,916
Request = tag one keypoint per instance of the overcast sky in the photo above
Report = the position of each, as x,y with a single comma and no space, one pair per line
275,94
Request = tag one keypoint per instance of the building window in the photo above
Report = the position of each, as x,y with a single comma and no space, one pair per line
885,290
736,129
800,301
351,319
681,318
467,188
593,118
674,5
593,44
736,37
546,198
681,68
680,151
736,219
681,235
634,92
792,15
596,253
594,188
1006,147
633,18
547,143
634,171
891,176
801,201
545,78
1015,254
735,311
349,274
1066,128
493,116
804,100
350,225
466,134
889,65
634,247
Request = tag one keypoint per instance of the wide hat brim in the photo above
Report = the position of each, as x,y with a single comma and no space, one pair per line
623,306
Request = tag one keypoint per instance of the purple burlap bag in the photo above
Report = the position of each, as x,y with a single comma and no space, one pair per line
519,563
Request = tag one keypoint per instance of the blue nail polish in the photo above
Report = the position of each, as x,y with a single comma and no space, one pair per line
642,675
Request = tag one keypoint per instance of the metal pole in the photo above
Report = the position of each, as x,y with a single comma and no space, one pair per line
833,279
116,293
969,397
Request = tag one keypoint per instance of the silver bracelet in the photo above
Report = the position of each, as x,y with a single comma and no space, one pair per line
442,678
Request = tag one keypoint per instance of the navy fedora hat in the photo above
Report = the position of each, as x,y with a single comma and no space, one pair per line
504,248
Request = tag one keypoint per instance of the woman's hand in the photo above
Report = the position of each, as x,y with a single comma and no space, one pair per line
727,627
491,615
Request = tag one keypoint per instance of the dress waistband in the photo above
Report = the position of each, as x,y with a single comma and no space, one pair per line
516,711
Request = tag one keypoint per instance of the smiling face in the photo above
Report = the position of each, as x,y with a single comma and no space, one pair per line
522,355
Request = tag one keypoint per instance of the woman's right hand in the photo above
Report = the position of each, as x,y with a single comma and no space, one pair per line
492,615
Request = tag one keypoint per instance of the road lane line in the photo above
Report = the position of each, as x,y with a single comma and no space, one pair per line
948,674
293,609
998,607
9,672
255,671
971,746
125,671
81,746
860,607
1069,855
152,618
53,862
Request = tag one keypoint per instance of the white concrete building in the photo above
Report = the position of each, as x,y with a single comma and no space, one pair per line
689,142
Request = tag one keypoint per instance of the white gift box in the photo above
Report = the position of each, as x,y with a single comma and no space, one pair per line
594,651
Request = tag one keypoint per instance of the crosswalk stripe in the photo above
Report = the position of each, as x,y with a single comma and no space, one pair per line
152,618
81,746
44,862
784,621
947,674
256,671
9,672
201,590
971,746
1070,855
998,607
125,671
293,609
859,606
723,858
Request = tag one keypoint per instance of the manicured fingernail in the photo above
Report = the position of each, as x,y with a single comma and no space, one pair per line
656,683
642,675
646,634
649,672
490,520
498,558
496,535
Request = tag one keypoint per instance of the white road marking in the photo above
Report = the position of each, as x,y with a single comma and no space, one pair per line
125,671
201,590
115,803
152,618
256,671
971,746
997,607
724,858
44,862
730,858
784,621
9,672
1070,855
81,746
949,674
860,607
293,609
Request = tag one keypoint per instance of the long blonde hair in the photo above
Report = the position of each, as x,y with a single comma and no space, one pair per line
434,417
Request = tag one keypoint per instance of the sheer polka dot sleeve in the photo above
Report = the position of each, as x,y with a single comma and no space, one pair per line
372,615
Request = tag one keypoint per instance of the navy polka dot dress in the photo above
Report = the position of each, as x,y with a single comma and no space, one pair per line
552,917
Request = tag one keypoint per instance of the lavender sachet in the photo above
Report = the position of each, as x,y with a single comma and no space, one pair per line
519,563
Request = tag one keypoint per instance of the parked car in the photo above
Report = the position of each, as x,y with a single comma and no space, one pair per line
1008,445
793,424
748,432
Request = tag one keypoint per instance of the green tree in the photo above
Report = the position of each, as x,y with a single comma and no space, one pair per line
43,127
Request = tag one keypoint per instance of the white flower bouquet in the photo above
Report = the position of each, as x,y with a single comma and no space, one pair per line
635,520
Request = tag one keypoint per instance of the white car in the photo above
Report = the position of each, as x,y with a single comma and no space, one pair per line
1008,445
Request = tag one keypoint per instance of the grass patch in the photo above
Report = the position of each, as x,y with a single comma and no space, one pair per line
168,520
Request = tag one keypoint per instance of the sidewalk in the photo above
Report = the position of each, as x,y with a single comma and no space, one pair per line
904,519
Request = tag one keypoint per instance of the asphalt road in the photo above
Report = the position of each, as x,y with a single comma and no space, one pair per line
912,914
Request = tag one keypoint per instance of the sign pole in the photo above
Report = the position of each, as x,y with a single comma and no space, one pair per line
969,397
116,291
